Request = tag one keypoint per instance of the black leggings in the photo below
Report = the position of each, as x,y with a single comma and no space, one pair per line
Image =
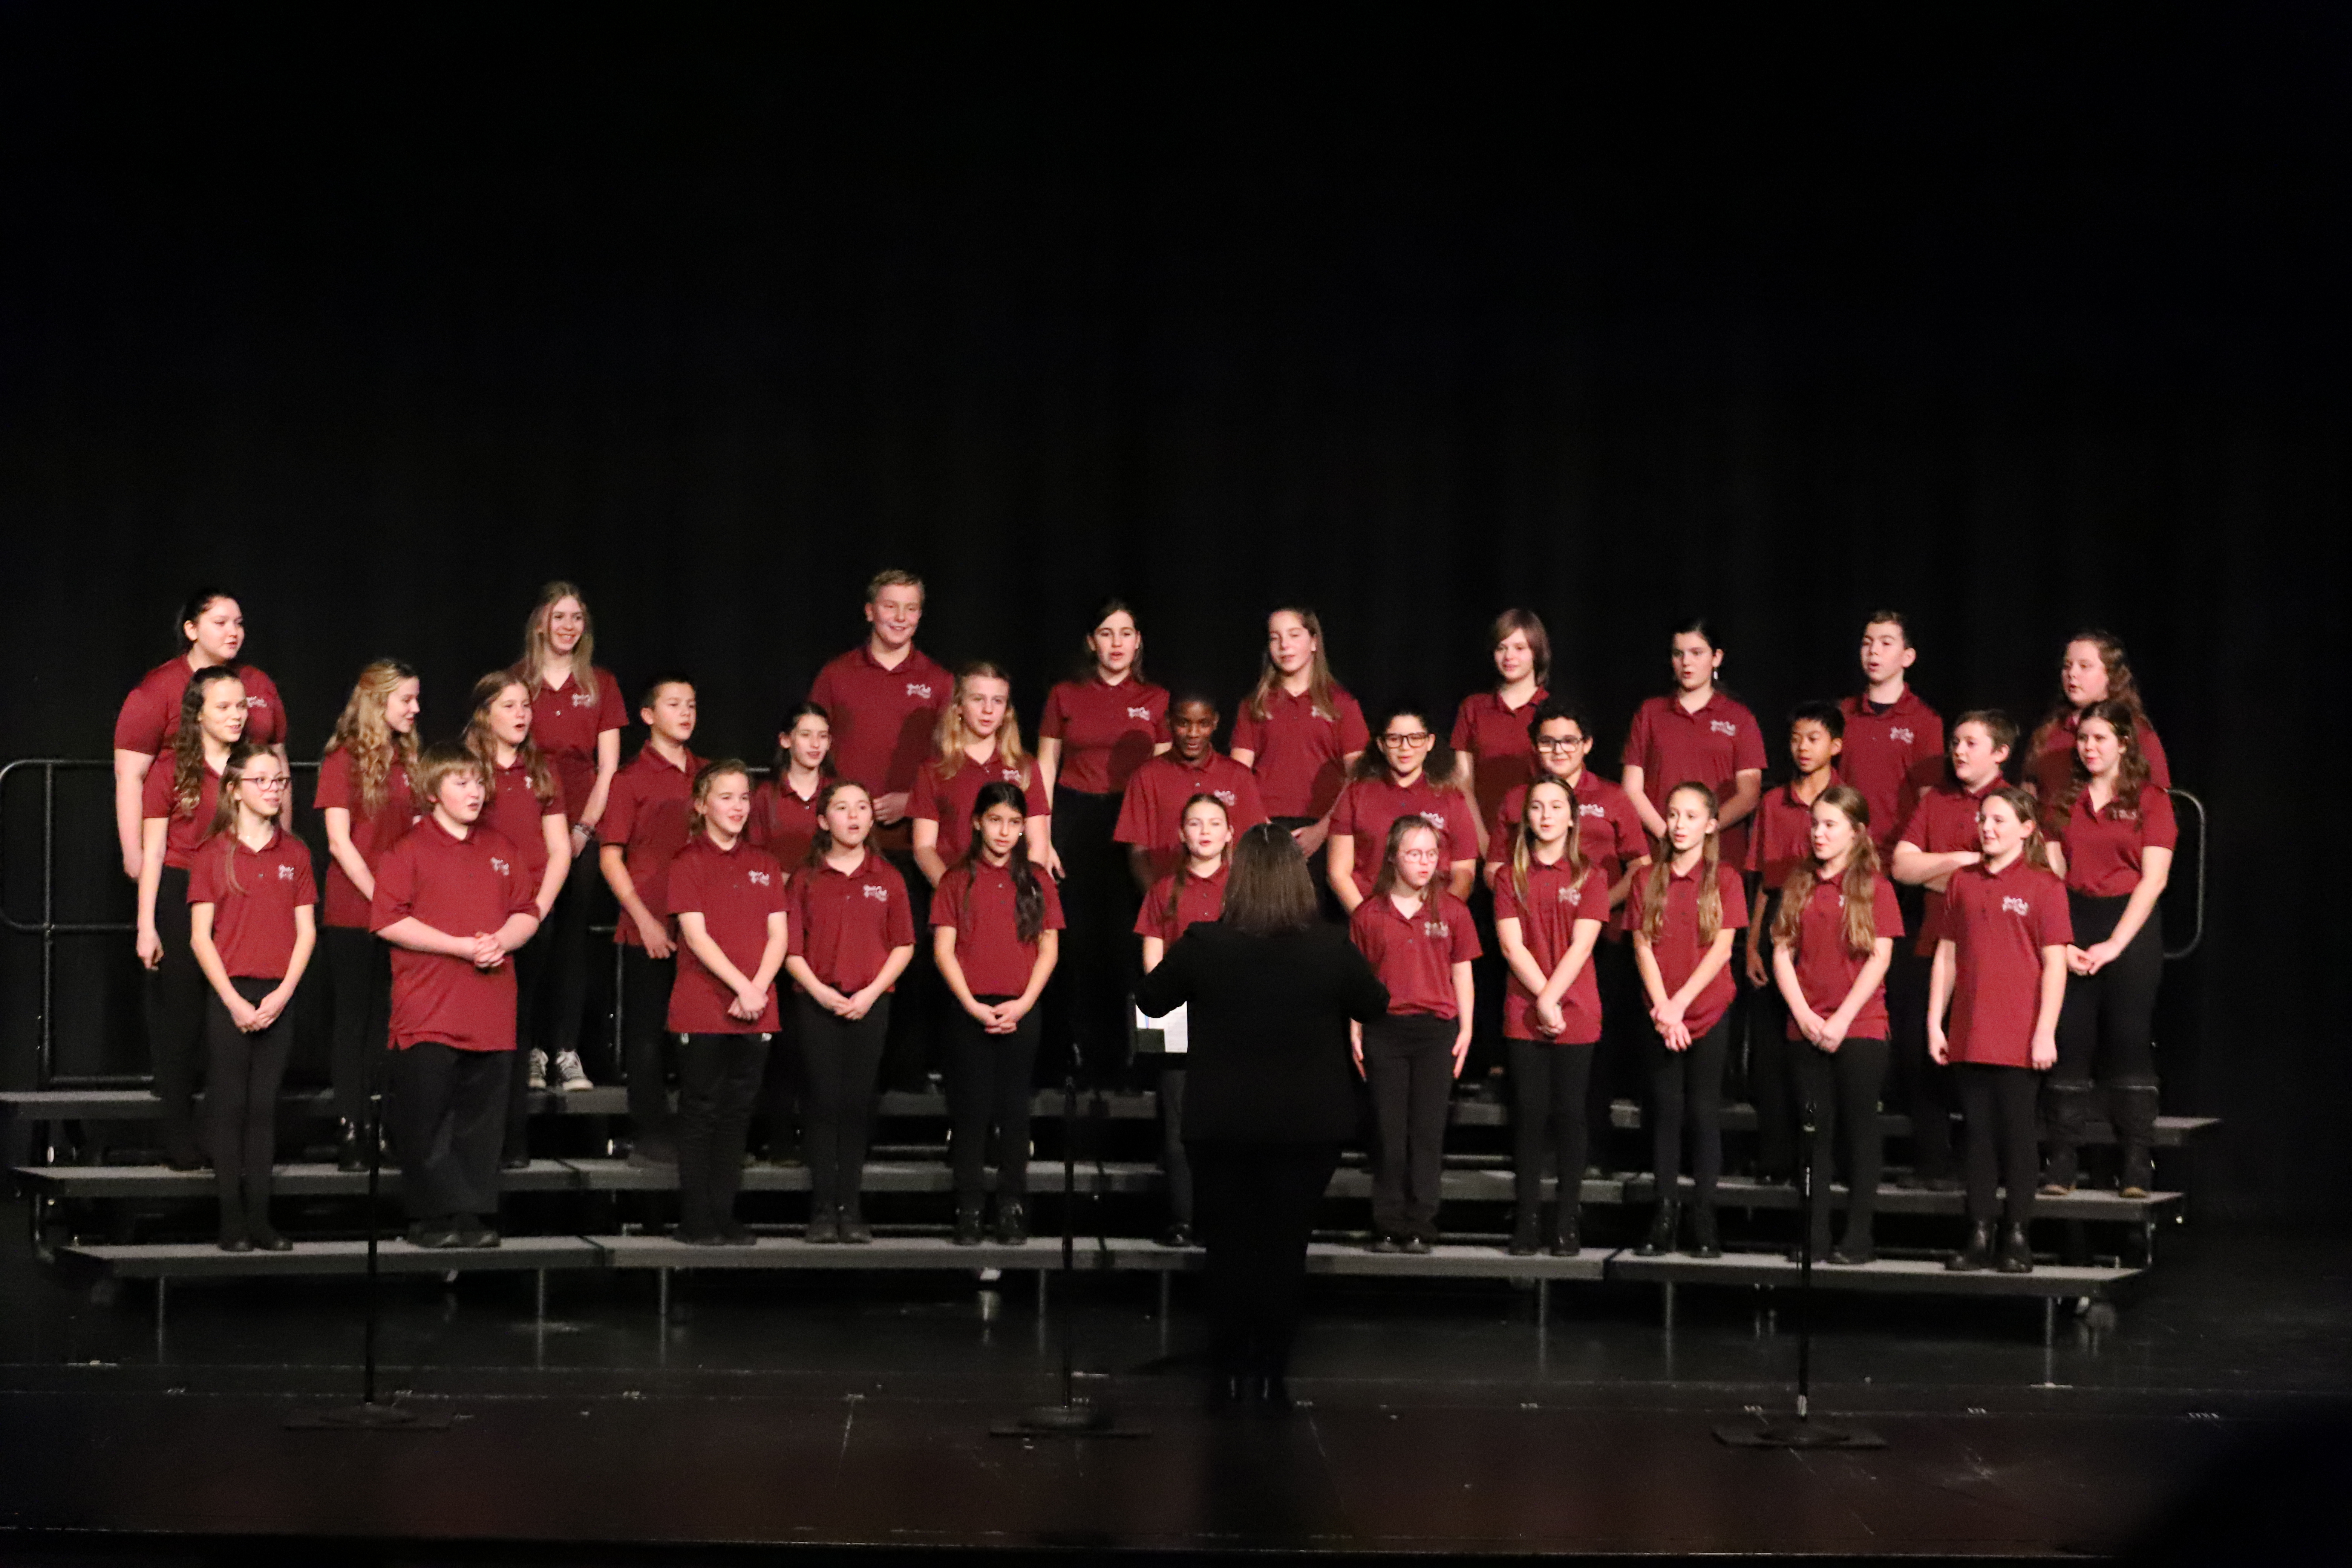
358,972
718,1078
1688,1082
990,1081
177,992
1100,961
530,961
645,982
241,1105
1842,1086
1998,1105
1173,1159
2106,1027
1409,1065
552,1001
1548,1091
1257,1211
1922,1091
1771,1059
843,1063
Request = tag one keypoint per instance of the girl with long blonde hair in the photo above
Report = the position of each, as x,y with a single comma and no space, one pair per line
976,744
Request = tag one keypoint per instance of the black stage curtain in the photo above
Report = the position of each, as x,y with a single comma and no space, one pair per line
384,326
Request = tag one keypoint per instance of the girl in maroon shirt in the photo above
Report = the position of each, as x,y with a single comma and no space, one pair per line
526,804
784,823
1550,904
2093,668
1833,938
1490,730
2115,835
728,897
1194,893
1700,733
1686,913
995,933
849,935
1419,941
978,743
251,909
1409,772
363,797
2001,968
176,807
1299,731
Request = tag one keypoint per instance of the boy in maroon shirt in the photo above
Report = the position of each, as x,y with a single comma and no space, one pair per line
453,900
884,697
1779,843
1894,741
1152,813
646,824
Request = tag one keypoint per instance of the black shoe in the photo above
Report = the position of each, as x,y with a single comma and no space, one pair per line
824,1230
1978,1254
1525,1228
1660,1239
1704,1242
1178,1234
436,1235
693,1236
519,1162
735,1233
1384,1242
1011,1223
234,1241
970,1228
854,1231
1273,1394
185,1158
1416,1246
350,1151
2016,1252
264,1239
653,1157
474,1233
1852,1254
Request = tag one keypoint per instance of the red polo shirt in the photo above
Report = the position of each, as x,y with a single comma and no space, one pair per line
1711,747
1180,901
1827,968
734,890
1783,837
1944,820
2054,769
844,924
254,903
567,721
1106,731
1367,808
1497,736
2103,848
1298,754
372,834
783,823
947,798
149,719
1893,755
458,887
182,831
1678,948
975,900
1152,814
1608,828
513,809
882,719
1997,926
1557,899
1414,956
649,813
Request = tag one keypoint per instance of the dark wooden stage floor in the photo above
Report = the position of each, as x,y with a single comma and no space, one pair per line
858,1414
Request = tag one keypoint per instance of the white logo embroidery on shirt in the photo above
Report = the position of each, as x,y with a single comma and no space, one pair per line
920,688
2013,905
1586,808
1435,819
1572,895
1138,713
759,878
580,700
878,893
1437,929
1723,726
1227,796
1902,735
285,873
500,867
253,702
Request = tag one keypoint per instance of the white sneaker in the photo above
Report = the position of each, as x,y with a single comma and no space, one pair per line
537,1069
568,1069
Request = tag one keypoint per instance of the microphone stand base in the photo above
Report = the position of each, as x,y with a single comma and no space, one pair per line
1076,1419
367,1418
1797,1432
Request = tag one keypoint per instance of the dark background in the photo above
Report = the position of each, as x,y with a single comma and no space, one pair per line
386,318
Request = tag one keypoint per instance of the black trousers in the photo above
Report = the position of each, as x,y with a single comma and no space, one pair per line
718,1079
1490,975
244,1073
1620,1062
1409,1065
2106,1027
1836,1089
1925,1092
1770,1064
177,992
1174,1161
1256,1211
1086,1005
452,1107
1549,1085
359,973
1999,1105
646,982
921,997
777,1110
991,1088
1687,1087
843,1063
530,962
554,996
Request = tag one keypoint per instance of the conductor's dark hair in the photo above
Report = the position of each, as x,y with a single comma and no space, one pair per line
1268,890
